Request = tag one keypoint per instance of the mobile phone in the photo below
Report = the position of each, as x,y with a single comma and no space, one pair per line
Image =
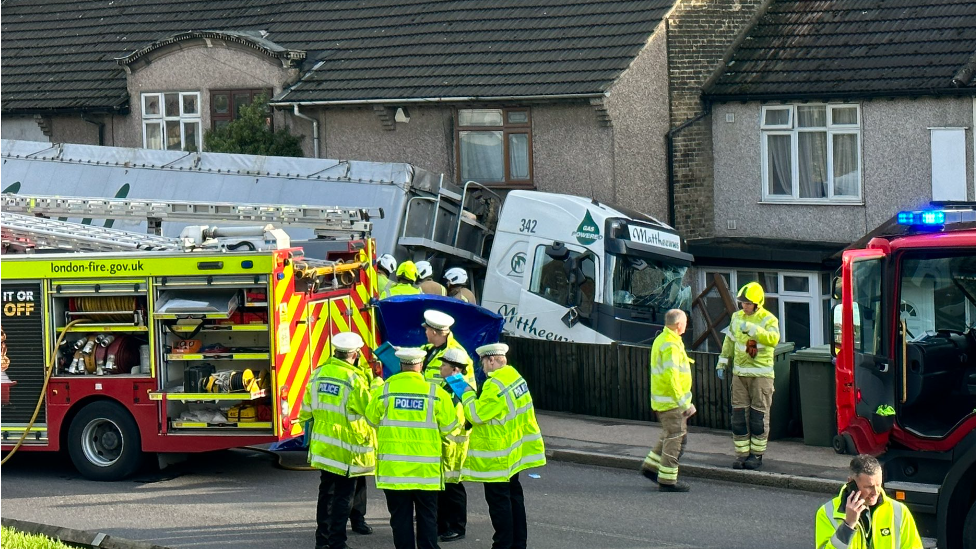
849,488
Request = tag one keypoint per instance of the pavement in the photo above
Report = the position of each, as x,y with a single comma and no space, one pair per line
788,463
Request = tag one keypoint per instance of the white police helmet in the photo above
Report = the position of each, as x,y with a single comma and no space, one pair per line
424,270
456,276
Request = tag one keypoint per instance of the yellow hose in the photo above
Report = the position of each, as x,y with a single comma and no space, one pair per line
40,400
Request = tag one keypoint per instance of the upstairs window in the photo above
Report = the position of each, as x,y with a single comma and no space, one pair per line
225,105
811,153
171,121
494,146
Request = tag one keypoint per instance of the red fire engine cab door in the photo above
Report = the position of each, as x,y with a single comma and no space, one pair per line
871,333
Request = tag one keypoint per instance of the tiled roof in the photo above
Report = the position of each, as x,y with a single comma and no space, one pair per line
835,48
61,54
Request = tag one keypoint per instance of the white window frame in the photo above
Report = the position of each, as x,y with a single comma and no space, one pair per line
793,131
161,119
813,297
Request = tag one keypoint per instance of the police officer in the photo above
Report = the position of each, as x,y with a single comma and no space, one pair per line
751,343
406,281
671,399
505,439
457,285
413,418
437,328
341,443
452,503
357,518
386,265
427,283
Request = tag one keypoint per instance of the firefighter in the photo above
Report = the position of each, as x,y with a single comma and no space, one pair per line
505,440
340,445
452,503
863,516
437,328
671,399
750,343
406,281
457,285
386,265
413,418
427,283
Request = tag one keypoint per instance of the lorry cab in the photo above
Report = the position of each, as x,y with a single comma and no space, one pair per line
567,268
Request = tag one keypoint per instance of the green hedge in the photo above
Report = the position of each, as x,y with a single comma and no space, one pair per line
12,539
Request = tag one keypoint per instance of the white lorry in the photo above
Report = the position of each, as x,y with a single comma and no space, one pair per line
556,267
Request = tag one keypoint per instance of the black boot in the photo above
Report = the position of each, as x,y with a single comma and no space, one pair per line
676,487
740,462
753,462
649,473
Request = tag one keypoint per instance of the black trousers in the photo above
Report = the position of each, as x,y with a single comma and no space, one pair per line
452,509
332,512
506,508
358,513
402,504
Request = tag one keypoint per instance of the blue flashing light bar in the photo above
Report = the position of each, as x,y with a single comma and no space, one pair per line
925,218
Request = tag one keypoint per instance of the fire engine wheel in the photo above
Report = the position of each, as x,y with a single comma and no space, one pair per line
969,529
844,444
104,443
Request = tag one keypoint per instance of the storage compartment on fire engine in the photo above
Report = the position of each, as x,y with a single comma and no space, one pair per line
214,352
105,321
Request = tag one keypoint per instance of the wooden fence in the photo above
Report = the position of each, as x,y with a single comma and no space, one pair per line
611,380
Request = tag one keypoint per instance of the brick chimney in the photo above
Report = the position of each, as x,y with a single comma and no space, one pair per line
701,35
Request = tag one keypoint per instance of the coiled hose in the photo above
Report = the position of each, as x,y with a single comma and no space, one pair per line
40,401
125,305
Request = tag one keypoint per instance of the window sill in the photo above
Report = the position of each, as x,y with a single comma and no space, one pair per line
507,186
806,202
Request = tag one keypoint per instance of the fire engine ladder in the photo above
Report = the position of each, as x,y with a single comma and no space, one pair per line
65,235
328,222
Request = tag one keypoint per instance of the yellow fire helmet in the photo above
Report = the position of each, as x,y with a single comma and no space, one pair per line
407,270
752,293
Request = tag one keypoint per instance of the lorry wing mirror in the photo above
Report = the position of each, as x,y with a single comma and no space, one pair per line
558,251
571,317
837,288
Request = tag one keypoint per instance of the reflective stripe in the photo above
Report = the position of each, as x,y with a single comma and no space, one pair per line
404,423
452,475
450,427
411,459
723,361
829,511
685,401
314,458
896,535
361,469
740,347
306,409
503,453
470,405
318,437
523,409
502,473
753,369
457,439
408,480
837,543
329,407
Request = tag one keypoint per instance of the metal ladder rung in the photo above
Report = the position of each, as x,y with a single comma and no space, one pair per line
76,236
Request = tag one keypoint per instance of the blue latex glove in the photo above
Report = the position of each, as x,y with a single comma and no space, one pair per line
720,373
458,384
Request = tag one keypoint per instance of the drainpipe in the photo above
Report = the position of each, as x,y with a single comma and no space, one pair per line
315,129
101,128
669,137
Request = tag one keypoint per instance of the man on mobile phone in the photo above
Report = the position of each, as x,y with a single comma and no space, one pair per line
862,516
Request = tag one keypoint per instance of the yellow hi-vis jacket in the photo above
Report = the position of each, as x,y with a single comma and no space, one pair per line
760,326
411,416
505,436
432,364
670,373
335,400
892,526
456,443
401,288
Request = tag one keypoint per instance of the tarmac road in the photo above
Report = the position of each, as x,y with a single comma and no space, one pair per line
238,499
